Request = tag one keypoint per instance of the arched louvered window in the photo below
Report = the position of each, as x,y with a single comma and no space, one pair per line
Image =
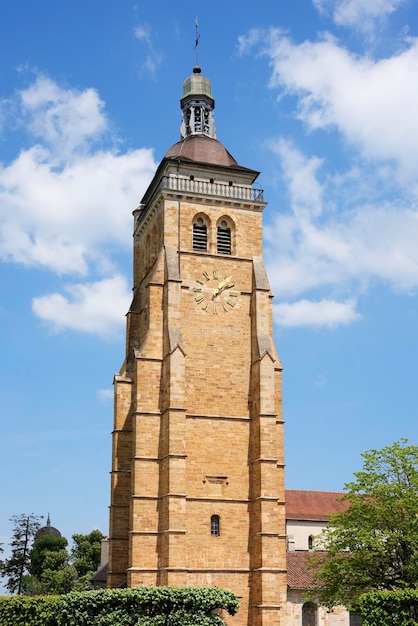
215,525
310,542
224,238
200,235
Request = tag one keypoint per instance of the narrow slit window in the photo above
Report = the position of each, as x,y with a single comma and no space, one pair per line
215,525
224,238
200,235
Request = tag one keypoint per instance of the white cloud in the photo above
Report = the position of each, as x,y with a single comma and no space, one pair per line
105,394
328,313
371,102
343,250
346,228
98,308
301,178
64,214
65,119
359,14
66,203
153,58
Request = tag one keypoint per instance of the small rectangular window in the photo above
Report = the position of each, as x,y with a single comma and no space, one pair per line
224,240
215,526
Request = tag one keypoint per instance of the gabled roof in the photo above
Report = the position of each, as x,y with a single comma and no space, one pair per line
101,575
313,505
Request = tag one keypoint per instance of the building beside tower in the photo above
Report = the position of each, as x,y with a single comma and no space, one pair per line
197,481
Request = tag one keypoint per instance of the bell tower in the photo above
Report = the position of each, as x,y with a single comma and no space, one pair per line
197,481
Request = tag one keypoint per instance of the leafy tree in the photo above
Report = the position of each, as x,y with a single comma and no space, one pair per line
59,581
54,572
49,552
14,568
373,545
86,552
47,567
31,586
50,569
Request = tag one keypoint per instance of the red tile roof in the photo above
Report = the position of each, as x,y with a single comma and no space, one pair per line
299,576
201,149
313,505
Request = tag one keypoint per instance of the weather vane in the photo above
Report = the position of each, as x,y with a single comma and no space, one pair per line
196,43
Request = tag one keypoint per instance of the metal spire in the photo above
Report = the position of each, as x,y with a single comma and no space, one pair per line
196,42
197,103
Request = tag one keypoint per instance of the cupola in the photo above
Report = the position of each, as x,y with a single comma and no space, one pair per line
197,105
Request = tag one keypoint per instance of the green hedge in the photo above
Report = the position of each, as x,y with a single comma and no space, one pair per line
28,611
140,606
390,608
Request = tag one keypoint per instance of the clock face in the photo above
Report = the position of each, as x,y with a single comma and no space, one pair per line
214,292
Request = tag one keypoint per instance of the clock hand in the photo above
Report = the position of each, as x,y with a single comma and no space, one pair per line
223,282
226,285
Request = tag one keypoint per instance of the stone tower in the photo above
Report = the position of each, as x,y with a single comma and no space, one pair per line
197,482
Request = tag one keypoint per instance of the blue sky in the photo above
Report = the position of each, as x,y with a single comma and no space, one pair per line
320,96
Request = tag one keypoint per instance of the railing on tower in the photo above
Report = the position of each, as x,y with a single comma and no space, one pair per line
211,188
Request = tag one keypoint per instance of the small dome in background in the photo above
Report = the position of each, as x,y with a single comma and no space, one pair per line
47,530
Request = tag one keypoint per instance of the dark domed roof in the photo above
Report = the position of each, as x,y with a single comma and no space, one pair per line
201,149
47,530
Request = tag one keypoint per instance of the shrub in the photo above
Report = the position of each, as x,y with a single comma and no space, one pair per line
28,611
390,608
139,606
